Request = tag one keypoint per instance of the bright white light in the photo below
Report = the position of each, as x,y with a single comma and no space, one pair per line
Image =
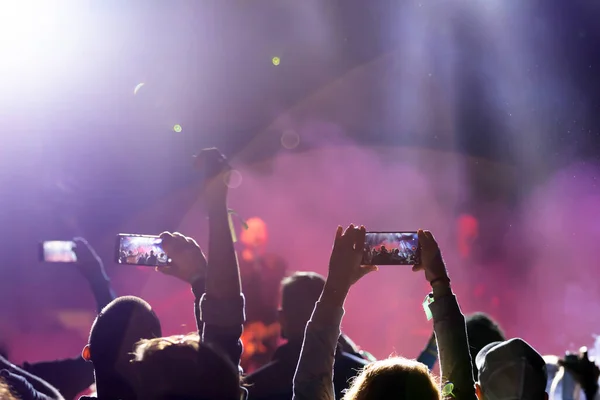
28,32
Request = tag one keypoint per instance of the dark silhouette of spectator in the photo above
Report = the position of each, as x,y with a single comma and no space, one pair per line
481,331
152,259
143,259
182,367
511,370
116,330
299,293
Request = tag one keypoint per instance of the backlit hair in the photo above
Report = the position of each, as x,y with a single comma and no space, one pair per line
395,378
181,366
5,392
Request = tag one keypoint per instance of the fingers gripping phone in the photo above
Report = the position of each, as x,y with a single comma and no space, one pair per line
143,250
58,251
391,248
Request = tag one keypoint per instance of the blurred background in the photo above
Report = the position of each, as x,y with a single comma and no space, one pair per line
477,119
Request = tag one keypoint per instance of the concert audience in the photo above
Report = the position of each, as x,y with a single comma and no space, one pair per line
130,360
396,378
299,293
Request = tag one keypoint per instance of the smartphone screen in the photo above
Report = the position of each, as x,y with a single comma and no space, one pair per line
391,248
140,250
58,251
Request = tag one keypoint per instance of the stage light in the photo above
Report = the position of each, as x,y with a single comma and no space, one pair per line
177,128
276,61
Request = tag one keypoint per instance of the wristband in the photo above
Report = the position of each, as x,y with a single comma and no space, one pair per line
440,279
428,300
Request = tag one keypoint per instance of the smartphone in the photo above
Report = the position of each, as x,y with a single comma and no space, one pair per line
391,248
143,250
58,251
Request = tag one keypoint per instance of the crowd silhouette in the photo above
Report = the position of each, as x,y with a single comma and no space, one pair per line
128,358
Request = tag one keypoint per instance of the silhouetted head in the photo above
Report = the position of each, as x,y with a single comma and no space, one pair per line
394,379
119,326
299,293
181,367
481,331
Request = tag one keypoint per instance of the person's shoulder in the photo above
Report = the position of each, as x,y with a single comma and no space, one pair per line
347,360
263,373
273,379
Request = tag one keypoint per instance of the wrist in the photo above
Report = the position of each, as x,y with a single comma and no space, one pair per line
441,287
334,293
442,280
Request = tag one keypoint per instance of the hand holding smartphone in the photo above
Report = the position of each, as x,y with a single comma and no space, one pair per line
143,250
391,248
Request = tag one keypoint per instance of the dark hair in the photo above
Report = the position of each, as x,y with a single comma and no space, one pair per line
481,331
300,292
183,367
118,327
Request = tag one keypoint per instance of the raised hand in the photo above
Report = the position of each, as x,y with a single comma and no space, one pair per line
585,371
88,261
187,260
431,259
345,267
216,169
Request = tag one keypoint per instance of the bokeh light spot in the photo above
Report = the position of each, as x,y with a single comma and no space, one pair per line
276,61
137,88
233,179
290,139
177,128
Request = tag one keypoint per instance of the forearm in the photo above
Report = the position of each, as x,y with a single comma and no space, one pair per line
37,382
314,375
452,343
198,287
102,291
222,278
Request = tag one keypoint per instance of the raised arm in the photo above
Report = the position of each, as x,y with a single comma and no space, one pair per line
91,267
449,324
314,374
222,306
584,371
73,375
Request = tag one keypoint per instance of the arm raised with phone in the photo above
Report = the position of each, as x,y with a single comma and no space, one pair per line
313,379
448,322
216,283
